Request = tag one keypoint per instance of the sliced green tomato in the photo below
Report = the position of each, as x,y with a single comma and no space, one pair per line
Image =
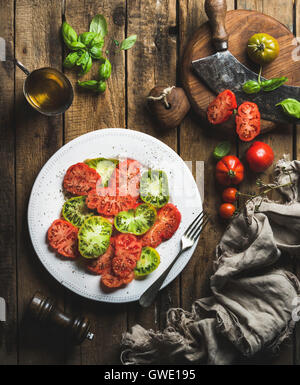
75,211
147,263
93,237
104,167
154,188
137,221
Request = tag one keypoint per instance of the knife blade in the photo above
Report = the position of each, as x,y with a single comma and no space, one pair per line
2,310
223,71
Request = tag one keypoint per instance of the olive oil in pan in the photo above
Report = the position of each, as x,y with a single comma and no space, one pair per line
47,91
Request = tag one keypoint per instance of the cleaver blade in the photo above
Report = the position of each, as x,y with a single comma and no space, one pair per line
223,71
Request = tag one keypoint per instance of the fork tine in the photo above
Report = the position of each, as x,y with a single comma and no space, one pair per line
191,227
197,226
201,228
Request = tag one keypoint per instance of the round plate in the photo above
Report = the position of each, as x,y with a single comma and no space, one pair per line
47,199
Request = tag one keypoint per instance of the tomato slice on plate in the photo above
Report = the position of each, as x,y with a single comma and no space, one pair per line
102,265
123,266
63,238
80,179
248,122
167,223
128,245
126,178
109,202
111,281
221,109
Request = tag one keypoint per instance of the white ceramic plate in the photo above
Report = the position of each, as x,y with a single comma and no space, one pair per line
47,199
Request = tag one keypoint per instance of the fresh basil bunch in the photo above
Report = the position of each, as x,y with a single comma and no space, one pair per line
88,47
291,107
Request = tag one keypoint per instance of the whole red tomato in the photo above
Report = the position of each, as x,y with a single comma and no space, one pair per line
230,195
229,171
260,156
227,210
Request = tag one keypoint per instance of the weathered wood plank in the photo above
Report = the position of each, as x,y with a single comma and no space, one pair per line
37,26
8,331
197,144
90,112
281,140
151,62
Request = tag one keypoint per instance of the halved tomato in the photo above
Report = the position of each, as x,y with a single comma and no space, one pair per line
128,245
80,179
167,223
102,265
248,122
109,202
221,109
63,238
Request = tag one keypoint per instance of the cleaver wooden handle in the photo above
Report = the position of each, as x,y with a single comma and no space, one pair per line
216,11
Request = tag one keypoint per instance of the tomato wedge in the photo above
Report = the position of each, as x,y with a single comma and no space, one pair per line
248,122
167,223
110,202
102,265
80,179
63,238
221,109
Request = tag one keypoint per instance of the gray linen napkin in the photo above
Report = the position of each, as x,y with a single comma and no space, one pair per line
252,302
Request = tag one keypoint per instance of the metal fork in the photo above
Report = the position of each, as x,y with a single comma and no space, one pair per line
187,241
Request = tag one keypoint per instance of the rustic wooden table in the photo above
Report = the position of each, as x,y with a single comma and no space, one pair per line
31,29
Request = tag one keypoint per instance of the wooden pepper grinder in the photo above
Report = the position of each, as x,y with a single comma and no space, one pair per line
44,309
169,105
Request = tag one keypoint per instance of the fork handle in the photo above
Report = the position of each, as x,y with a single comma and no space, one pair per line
149,295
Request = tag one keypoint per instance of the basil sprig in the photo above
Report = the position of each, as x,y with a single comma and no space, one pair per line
291,107
253,87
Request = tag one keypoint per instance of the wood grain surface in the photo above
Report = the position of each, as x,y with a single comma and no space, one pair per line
241,25
31,29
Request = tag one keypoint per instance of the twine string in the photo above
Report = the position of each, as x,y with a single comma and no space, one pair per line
163,96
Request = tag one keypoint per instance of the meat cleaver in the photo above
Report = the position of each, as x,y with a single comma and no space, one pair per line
223,71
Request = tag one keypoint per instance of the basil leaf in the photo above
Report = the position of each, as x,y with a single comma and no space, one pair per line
251,87
105,70
86,66
273,84
128,43
69,35
83,59
101,86
99,25
89,84
98,40
222,150
87,38
76,45
96,51
291,107
71,59
116,43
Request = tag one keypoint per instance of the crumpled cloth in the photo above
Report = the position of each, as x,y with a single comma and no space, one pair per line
252,301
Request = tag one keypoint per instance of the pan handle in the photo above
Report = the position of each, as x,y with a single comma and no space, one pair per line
216,11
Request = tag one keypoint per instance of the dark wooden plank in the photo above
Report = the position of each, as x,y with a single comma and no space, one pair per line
281,140
197,144
90,112
38,44
151,62
8,331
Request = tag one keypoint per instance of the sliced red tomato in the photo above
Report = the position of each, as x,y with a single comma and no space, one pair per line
248,123
126,178
102,265
63,238
221,109
123,266
80,179
128,245
167,223
111,281
129,278
109,202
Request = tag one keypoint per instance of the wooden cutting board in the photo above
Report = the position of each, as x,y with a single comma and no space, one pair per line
241,25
